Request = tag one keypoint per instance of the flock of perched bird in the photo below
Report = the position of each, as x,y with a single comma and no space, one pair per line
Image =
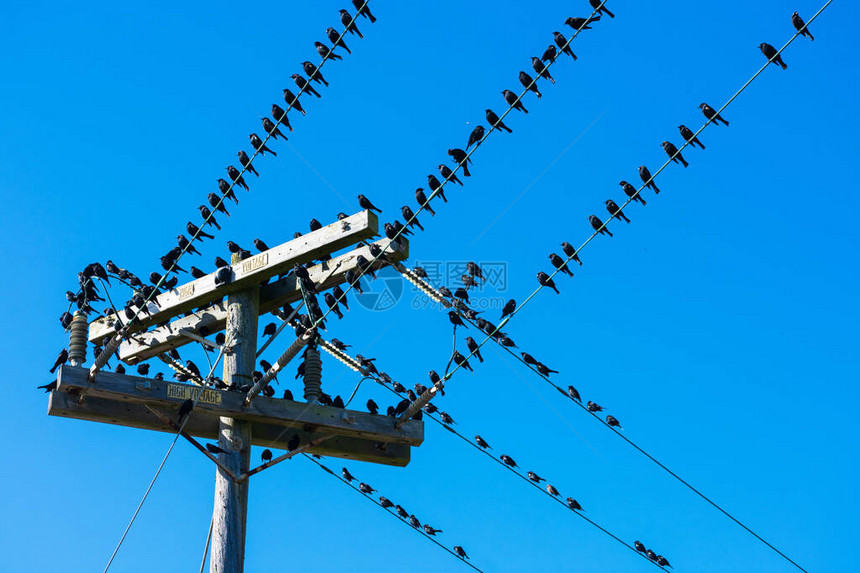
143,294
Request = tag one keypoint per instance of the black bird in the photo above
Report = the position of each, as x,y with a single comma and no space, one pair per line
423,202
120,369
598,225
445,292
227,190
266,456
462,158
185,409
529,83
213,449
568,250
482,442
413,521
581,23
346,475
550,489
460,360
476,135
197,273
712,114
364,488
272,129
448,174
434,185
674,154
372,407
689,136
549,54
260,245
331,301
460,551
294,442
333,36
345,19
313,73
541,70
217,203
410,217
446,418
365,203
473,347
559,263
401,512
61,359
651,555
455,318
508,460
315,225
800,26
66,320
245,160
646,178
662,561
293,101
385,502
270,329
434,377
639,546
196,232
630,191
495,122
279,115
257,144
365,10
613,421
220,263
511,99
615,210
304,85
534,477
184,243
544,280
509,307
49,387
593,407
573,504
207,216
234,248
772,55
431,530
401,407
601,9
236,176
561,42
324,52
474,270
573,393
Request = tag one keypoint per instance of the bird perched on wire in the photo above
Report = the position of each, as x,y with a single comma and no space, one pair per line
313,73
207,216
364,488
266,455
512,100
593,407
612,421
615,210
482,442
573,504
534,477
568,250
429,530
550,489
186,245
272,129
448,174
674,154
529,83
772,55
460,551
495,122
601,9
559,264
236,176
476,135
574,394
800,26
460,360
346,20
196,232
545,280
541,70
712,114
257,144
509,308
462,158
409,216
509,461
689,136
185,409
562,44
598,225
292,101
304,85
324,52
581,23
336,40
363,9
423,202
473,348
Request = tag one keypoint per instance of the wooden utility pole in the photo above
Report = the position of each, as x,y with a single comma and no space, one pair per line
231,498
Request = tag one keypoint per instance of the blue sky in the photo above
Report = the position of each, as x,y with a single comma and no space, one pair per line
719,326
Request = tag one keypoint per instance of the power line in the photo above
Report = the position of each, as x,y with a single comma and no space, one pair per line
420,532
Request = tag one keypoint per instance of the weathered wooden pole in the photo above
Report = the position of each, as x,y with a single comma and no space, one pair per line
231,498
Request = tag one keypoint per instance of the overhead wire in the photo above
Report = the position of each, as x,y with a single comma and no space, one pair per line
375,502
